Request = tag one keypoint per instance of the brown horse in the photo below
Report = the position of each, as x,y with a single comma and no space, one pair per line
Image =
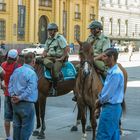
89,85
44,86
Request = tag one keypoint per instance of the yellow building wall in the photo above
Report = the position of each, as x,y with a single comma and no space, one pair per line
53,14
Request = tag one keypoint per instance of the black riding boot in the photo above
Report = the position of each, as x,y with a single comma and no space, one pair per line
53,90
74,98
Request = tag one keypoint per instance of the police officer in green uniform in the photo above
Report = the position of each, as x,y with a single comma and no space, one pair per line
55,53
100,43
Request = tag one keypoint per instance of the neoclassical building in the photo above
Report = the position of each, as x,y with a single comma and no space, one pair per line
121,19
25,21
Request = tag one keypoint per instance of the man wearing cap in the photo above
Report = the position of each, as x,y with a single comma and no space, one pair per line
55,53
100,42
9,66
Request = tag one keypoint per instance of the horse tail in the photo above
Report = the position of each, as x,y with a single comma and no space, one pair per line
123,107
125,86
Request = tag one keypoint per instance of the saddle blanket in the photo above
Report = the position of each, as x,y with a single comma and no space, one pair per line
68,71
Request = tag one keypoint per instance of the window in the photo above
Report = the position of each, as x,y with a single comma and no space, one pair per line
2,29
19,2
77,11
126,27
92,15
46,3
2,5
118,27
126,2
110,26
118,1
76,32
136,28
21,22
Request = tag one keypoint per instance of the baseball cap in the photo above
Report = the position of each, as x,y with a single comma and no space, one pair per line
13,53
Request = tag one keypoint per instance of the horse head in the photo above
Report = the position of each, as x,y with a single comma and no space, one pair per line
86,57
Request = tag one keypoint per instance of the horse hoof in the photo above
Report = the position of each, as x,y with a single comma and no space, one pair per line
41,135
74,128
35,133
89,128
84,135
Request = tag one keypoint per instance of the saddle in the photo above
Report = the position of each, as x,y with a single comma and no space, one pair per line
68,72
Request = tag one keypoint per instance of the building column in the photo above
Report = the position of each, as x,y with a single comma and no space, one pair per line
31,21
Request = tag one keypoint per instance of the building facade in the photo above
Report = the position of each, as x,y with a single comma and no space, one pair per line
121,19
25,21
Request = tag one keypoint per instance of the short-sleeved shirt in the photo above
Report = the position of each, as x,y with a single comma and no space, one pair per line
8,68
55,46
101,43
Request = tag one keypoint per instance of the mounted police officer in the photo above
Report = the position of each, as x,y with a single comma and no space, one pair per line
55,53
100,44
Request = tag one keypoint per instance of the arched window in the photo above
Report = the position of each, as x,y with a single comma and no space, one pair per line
126,27
2,29
110,26
76,32
47,3
119,27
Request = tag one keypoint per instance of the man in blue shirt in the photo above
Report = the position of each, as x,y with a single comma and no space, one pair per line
110,98
24,93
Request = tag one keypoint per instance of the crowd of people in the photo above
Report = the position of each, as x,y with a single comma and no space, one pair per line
21,91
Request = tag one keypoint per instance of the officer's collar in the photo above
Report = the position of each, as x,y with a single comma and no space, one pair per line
56,35
99,36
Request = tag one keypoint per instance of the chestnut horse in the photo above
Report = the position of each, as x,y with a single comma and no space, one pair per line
44,86
89,85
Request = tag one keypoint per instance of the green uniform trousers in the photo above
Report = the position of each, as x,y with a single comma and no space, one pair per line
53,65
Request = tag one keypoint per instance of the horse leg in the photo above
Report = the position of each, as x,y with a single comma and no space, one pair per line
93,122
89,128
42,115
37,110
83,121
75,127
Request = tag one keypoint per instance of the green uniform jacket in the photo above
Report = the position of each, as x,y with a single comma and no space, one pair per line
100,44
55,46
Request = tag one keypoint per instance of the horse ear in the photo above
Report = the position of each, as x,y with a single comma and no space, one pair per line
79,42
